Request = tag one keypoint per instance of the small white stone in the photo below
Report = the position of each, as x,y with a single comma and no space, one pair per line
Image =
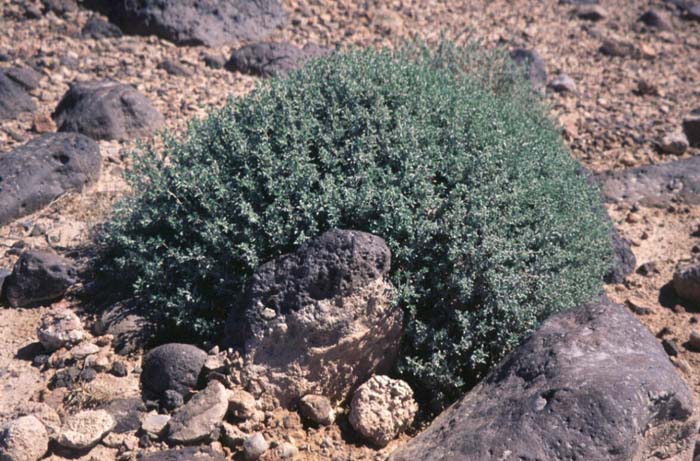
255,446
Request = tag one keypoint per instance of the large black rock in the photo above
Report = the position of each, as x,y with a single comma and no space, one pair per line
195,22
107,110
172,366
35,174
591,383
654,185
38,277
268,59
13,98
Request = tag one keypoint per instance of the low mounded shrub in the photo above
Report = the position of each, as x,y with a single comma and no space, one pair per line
446,154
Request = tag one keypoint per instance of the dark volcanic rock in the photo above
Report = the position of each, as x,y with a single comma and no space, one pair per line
106,110
534,66
35,174
174,68
214,61
693,13
319,320
4,273
39,277
686,282
691,128
13,98
656,20
591,13
195,22
59,7
126,412
127,325
172,399
618,47
624,260
172,366
654,185
99,28
338,263
591,383
268,59
26,77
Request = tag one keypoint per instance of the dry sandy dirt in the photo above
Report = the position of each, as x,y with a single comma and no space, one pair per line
607,123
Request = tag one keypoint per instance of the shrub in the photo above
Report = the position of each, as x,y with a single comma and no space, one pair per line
447,155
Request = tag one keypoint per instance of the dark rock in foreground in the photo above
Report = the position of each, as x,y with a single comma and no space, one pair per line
107,110
35,174
13,98
195,22
591,383
321,319
172,367
39,277
624,260
128,326
654,185
268,59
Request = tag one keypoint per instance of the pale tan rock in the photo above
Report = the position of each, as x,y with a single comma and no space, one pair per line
231,435
154,424
201,416
23,439
85,429
60,328
242,404
44,413
381,409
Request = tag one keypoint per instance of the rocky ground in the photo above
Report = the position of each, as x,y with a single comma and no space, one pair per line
614,111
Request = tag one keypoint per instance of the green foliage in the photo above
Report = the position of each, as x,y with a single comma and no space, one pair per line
445,154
